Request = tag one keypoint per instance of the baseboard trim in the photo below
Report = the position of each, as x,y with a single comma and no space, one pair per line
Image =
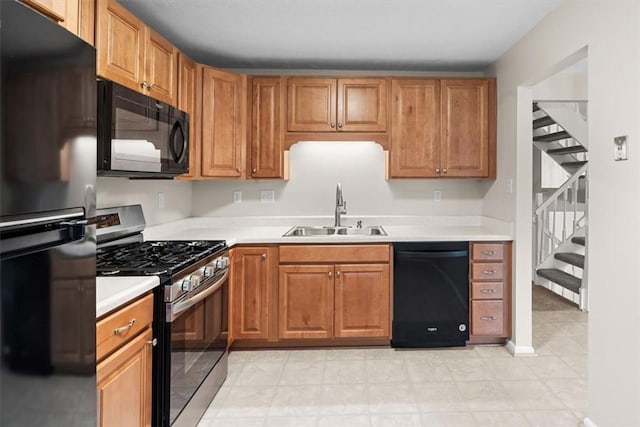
588,423
520,350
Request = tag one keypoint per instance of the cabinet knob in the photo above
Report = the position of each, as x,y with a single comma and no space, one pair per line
254,170
333,125
144,84
263,256
340,125
338,273
444,170
238,170
438,171
330,274
153,342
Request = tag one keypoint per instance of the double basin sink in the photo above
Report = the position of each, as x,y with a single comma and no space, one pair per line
305,231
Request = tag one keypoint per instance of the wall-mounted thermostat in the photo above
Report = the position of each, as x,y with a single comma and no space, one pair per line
620,148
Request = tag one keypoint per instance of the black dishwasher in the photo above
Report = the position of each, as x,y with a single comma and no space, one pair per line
430,294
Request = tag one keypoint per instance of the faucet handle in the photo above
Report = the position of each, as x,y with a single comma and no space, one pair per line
359,224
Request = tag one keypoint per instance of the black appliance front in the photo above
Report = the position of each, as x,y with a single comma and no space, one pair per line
47,250
193,351
430,294
139,136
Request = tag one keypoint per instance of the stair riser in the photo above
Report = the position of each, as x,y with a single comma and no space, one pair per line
559,290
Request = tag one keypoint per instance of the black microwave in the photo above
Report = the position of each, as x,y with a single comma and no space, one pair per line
139,136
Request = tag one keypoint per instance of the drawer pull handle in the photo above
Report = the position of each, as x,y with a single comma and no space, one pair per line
125,328
488,318
491,252
489,272
488,291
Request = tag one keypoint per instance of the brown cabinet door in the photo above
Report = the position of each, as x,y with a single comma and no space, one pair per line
362,105
124,385
465,130
161,66
187,78
311,104
222,124
415,128
305,301
267,127
120,45
54,9
362,300
253,279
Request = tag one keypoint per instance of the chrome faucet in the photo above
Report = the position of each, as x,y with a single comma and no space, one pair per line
341,206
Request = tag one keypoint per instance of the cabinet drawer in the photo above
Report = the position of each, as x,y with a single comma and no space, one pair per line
487,252
334,253
121,326
487,318
487,271
487,290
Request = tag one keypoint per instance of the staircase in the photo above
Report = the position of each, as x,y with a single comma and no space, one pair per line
560,216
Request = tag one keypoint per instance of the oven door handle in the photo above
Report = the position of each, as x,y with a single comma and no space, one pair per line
177,308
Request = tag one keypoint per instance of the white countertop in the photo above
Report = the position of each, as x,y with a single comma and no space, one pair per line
112,292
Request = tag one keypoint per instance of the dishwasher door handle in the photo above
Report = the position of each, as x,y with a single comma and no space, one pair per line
433,254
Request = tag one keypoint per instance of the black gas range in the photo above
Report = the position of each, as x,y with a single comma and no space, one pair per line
191,310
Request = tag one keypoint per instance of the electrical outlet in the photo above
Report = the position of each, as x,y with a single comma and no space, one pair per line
620,148
267,196
160,200
237,196
437,195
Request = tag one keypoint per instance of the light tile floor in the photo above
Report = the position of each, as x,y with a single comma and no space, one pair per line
473,386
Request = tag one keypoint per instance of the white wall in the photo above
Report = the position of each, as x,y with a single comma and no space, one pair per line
123,191
610,30
316,167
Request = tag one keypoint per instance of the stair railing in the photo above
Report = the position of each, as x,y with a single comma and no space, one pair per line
551,232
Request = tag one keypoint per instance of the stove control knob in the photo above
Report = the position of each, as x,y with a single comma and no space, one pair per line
186,285
207,271
222,262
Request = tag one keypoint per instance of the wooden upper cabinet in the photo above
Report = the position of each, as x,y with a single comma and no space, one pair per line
465,127
362,105
133,55
187,91
415,128
223,122
311,104
267,127
161,66
342,105
77,16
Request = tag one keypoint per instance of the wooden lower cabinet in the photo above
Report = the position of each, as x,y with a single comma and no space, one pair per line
124,385
306,301
490,292
253,292
322,299
362,300
124,349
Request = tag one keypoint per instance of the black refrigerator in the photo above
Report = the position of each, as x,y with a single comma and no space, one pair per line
47,247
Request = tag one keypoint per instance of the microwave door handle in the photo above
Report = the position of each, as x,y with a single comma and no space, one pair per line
177,127
174,310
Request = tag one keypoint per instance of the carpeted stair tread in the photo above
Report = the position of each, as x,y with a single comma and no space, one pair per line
570,258
573,164
542,122
563,279
556,136
578,240
568,150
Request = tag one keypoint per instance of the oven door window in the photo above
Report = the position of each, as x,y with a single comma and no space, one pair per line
198,341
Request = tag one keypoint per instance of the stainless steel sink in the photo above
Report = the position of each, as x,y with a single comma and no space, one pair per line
306,230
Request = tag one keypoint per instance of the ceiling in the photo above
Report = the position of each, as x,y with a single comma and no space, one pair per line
411,35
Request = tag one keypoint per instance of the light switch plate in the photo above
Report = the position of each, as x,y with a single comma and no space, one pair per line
620,148
267,196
